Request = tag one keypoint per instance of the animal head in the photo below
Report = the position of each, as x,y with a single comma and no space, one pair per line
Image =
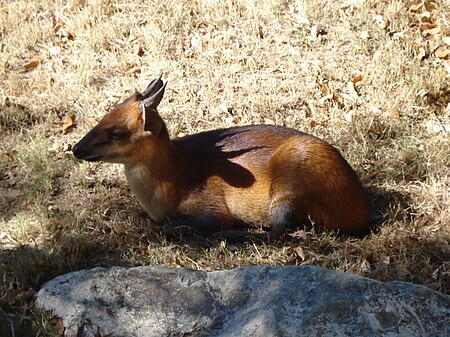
119,135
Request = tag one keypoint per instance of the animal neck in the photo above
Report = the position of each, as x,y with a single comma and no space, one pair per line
153,178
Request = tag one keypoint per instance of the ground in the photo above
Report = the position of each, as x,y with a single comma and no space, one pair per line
370,77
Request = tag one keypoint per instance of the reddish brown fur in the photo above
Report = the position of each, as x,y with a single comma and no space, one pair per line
220,179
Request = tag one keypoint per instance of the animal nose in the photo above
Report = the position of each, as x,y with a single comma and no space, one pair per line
77,152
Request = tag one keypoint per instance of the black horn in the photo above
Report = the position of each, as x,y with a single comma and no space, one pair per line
155,98
152,88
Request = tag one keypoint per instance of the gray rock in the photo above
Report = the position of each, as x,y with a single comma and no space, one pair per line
250,301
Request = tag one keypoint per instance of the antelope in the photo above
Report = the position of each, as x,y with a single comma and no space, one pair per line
218,182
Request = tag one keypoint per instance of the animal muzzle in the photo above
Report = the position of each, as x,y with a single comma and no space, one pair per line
82,154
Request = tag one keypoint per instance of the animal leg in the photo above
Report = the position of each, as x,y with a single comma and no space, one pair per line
282,215
188,225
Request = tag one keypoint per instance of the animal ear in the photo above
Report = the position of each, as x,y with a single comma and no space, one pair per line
152,123
152,120
152,88
153,100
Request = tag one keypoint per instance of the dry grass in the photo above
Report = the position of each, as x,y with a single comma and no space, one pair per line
227,62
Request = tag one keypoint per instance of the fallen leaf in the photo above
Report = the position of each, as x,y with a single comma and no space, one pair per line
416,7
381,22
195,41
60,327
365,35
433,44
402,272
435,274
25,294
54,51
349,116
235,68
64,35
232,121
427,26
33,63
69,123
325,88
232,248
358,79
430,5
4,237
431,32
170,247
67,147
120,228
352,89
446,65
395,114
422,53
442,52
314,31
293,51
139,51
379,162
425,17
313,124
134,71
299,252
174,265
398,35
377,56
446,40
300,234
365,266
223,107
55,24
326,98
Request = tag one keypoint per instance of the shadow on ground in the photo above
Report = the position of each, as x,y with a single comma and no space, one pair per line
96,242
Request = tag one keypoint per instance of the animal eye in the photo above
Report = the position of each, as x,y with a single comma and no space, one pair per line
116,134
